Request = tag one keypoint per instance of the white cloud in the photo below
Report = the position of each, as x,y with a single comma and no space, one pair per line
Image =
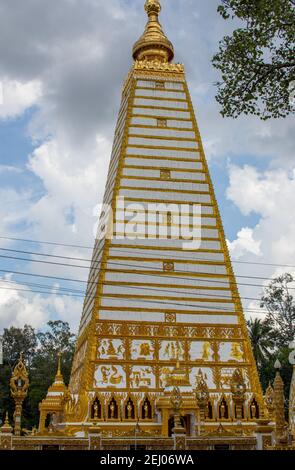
13,209
260,193
18,307
244,244
74,183
16,97
9,169
271,195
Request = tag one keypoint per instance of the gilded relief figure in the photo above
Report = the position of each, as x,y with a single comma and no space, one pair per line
165,373
206,351
110,375
236,352
96,410
105,372
173,350
142,377
115,378
142,349
111,349
145,349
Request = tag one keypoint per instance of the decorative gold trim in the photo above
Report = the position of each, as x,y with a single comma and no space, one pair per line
158,66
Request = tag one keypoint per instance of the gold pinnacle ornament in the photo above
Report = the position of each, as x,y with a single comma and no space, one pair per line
53,405
279,408
202,396
19,385
153,44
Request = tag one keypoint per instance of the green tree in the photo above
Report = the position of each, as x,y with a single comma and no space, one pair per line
57,338
40,354
15,341
280,306
262,341
257,62
267,372
19,340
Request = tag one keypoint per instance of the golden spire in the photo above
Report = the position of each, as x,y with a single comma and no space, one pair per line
279,408
6,422
59,376
59,364
6,428
153,44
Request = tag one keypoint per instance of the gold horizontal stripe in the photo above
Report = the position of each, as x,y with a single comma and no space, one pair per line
161,89
143,236
175,286
182,110
161,137
163,225
167,310
133,199
168,298
171,180
155,168
186,214
184,129
158,147
152,116
231,328
170,274
171,259
158,157
145,247
163,190
161,98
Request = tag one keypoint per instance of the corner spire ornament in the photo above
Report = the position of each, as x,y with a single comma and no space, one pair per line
153,44
238,390
19,385
53,404
279,408
6,428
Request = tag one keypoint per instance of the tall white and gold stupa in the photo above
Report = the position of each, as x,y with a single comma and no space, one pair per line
161,310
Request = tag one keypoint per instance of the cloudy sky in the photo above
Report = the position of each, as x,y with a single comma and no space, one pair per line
62,65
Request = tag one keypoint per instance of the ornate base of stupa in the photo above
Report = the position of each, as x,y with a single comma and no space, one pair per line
95,441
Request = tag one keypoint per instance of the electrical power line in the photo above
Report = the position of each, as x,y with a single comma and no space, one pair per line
137,286
166,291
40,242
118,264
204,312
149,273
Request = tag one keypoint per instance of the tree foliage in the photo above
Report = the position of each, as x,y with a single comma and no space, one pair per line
271,337
257,62
280,306
40,352
262,340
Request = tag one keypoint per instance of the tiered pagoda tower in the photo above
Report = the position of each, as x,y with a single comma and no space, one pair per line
161,311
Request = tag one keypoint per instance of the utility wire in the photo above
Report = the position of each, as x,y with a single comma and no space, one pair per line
150,273
125,251
153,289
118,264
215,311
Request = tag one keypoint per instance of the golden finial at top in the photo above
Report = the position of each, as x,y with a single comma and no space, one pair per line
153,44
152,6
59,376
